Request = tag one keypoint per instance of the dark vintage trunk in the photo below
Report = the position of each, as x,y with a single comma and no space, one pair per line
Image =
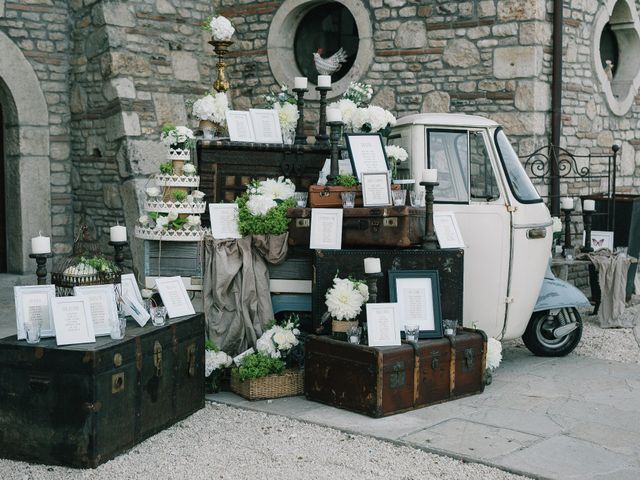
82,405
397,227
380,381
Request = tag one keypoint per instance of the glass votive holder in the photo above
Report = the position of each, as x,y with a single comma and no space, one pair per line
570,254
411,332
32,331
159,316
119,326
416,198
354,334
399,197
348,199
301,199
449,327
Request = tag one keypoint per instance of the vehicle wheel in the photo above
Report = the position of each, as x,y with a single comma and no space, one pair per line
539,337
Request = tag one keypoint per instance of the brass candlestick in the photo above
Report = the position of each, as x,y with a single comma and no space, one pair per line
322,136
336,132
221,48
430,240
301,138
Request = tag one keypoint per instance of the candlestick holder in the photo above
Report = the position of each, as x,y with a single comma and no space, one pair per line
221,48
322,137
336,133
301,138
372,284
430,240
119,254
587,219
41,266
567,230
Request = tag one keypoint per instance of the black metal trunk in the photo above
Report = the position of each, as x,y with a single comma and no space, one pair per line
82,405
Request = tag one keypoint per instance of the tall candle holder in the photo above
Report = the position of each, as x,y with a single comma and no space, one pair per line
587,220
430,240
41,266
301,138
336,133
119,254
372,285
567,230
221,48
322,137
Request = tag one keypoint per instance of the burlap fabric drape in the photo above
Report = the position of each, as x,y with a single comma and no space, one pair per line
237,301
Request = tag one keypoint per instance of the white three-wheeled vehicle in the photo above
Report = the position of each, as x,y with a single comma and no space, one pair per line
505,226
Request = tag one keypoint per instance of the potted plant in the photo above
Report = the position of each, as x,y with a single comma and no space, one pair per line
215,364
358,117
210,110
166,168
179,140
179,196
344,303
262,209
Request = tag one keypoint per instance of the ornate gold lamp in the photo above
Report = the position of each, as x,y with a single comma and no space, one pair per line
221,48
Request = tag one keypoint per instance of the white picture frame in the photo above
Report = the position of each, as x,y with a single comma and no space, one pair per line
367,153
132,299
326,229
599,239
447,230
266,125
174,296
240,126
376,189
72,319
224,220
130,286
102,304
383,324
34,301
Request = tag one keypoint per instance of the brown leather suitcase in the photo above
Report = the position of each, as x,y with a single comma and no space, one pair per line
380,381
397,227
325,196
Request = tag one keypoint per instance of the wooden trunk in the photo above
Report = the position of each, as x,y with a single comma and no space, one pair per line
380,381
81,405
398,227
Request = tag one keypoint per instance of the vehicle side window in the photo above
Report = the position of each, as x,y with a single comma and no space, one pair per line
448,151
483,180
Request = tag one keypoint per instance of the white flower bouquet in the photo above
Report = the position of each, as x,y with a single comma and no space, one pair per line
345,299
263,208
286,105
277,341
358,93
347,108
189,169
395,154
211,108
372,119
221,28
494,353
178,137
215,361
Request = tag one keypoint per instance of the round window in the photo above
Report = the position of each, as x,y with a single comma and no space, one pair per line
326,29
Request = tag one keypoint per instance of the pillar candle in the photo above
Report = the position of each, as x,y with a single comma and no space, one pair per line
324,80
430,175
40,245
334,115
589,205
118,233
300,82
372,265
566,203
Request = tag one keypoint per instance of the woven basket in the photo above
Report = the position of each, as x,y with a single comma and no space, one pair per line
287,384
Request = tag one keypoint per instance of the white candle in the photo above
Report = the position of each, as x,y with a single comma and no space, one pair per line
448,331
430,175
118,233
589,205
324,80
40,244
354,339
411,338
300,82
334,115
372,265
566,203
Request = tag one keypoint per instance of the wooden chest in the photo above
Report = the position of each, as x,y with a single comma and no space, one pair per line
380,381
82,405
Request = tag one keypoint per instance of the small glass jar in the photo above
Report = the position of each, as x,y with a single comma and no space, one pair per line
32,331
354,334
411,333
159,316
449,327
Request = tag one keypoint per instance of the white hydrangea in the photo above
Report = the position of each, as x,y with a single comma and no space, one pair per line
277,189
189,169
161,222
176,136
215,361
288,115
494,353
397,153
194,221
260,204
347,108
345,299
278,340
144,220
221,29
376,118
211,108
172,215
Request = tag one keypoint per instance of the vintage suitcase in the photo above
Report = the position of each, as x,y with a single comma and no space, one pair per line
448,262
397,227
328,196
380,381
81,405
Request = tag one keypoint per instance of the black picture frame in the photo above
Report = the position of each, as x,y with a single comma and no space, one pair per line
354,155
432,275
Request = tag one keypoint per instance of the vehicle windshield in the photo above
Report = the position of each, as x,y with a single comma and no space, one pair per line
519,182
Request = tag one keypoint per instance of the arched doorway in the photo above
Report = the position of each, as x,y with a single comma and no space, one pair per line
3,224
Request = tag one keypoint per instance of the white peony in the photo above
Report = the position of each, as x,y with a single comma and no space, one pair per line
494,353
193,221
211,108
266,346
397,153
189,169
347,108
260,204
344,300
215,361
221,29
172,215
280,189
176,136
277,340
161,222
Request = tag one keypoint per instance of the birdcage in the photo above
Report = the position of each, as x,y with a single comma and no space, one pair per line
85,266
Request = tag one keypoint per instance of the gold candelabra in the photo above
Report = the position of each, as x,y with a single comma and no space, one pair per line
221,48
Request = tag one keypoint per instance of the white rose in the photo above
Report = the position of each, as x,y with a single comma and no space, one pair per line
172,215
189,169
161,222
193,221
153,192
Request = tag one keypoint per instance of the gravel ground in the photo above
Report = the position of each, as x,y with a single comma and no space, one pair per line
221,442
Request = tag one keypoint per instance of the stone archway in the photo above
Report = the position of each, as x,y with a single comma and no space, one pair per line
27,184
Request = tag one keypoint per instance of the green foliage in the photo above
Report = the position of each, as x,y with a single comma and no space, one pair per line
168,127
346,181
179,196
153,215
177,223
209,345
258,365
275,222
101,264
166,168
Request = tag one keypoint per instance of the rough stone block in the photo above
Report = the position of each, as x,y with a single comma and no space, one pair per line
605,139
144,156
627,159
185,66
535,33
1,8
60,150
515,123
461,53
123,124
486,8
120,63
436,102
34,141
78,101
122,87
533,95
517,62
165,7
412,34
519,10
385,98
169,108
111,195
114,13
